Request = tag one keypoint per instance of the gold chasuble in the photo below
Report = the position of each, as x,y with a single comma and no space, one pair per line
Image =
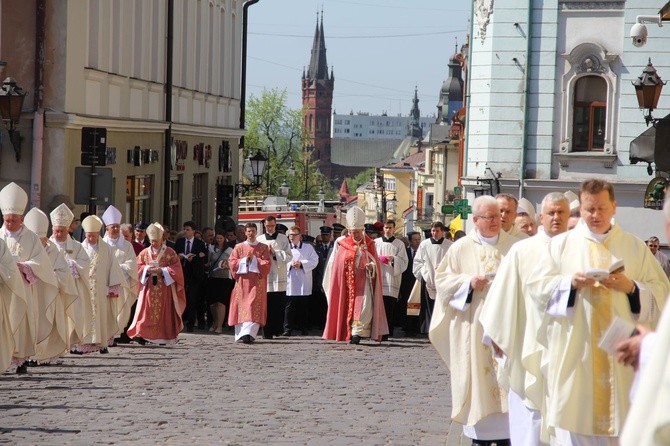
587,390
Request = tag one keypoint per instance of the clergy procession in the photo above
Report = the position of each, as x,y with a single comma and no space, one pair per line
552,326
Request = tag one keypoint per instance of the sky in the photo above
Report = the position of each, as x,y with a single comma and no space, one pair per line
379,50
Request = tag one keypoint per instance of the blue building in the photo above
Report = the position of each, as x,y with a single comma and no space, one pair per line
551,101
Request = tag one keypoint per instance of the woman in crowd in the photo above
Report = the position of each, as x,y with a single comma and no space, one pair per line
219,282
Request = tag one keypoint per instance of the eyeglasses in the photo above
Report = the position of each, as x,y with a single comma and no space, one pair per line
490,218
291,235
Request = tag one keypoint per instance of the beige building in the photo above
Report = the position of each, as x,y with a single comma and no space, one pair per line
102,63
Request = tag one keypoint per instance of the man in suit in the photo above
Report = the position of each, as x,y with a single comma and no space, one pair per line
319,305
193,255
410,324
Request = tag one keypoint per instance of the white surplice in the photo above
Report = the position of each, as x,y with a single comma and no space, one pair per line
392,271
299,280
587,391
478,401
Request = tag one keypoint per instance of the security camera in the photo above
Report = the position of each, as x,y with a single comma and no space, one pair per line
639,34
638,31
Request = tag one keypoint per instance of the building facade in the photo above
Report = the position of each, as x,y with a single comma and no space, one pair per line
551,102
104,66
365,126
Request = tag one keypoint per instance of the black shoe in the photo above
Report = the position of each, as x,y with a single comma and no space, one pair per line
123,339
385,337
31,363
22,369
268,337
189,329
247,339
304,333
139,340
76,352
287,333
355,339
104,351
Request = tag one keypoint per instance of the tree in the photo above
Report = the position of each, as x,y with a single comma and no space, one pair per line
277,131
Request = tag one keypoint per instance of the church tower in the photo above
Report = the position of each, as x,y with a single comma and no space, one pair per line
317,101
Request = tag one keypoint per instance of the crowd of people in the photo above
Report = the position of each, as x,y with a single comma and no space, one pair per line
542,320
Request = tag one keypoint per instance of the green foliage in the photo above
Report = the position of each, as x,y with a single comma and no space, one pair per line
277,131
360,179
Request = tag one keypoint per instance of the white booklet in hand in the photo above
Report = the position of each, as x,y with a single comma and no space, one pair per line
242,267
598,274
619,330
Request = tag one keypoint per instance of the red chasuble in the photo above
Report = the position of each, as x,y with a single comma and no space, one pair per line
248,301
347,291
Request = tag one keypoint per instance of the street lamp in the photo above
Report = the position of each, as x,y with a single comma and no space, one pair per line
258,165
11,103
283,189
648,88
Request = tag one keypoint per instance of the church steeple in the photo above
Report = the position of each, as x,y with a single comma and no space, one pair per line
451,94
317,101
414,127
318,66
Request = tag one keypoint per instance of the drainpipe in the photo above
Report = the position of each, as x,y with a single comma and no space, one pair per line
167,158
38,106
526,115
243,80
466,143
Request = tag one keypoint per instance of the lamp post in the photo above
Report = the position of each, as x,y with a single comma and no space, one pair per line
648,88
11,103
283,189
258,165
307,157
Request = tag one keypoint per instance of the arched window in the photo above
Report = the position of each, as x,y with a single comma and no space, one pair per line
589,114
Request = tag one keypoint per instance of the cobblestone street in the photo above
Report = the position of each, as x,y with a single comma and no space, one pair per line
208,390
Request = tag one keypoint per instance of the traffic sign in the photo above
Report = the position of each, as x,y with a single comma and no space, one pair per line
93,139
97,158
103,185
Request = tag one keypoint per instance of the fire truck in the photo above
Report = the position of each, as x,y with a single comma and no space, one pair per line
309,216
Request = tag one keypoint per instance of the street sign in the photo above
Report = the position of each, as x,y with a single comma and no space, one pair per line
93,139
103,185
97,158
448,209
458,190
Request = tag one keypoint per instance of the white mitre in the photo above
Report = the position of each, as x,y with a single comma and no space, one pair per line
112,216
92,223
155,231
573,199
13,199
61,216
37,221
355,218
525,206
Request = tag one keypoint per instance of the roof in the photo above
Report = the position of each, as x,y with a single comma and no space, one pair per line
362,152
412,161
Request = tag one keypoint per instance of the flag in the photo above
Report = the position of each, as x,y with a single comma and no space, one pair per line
455,225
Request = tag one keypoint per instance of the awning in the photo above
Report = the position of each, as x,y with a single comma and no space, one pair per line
407,211
653,146
665,12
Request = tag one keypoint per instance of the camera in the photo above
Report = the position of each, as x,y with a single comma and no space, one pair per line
638,33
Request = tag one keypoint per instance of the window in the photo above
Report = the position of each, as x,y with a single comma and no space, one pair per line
138,197
198,196
590,114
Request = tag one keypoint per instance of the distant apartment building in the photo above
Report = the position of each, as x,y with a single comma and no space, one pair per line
366,126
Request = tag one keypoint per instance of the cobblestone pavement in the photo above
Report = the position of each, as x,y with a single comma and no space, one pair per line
208,390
